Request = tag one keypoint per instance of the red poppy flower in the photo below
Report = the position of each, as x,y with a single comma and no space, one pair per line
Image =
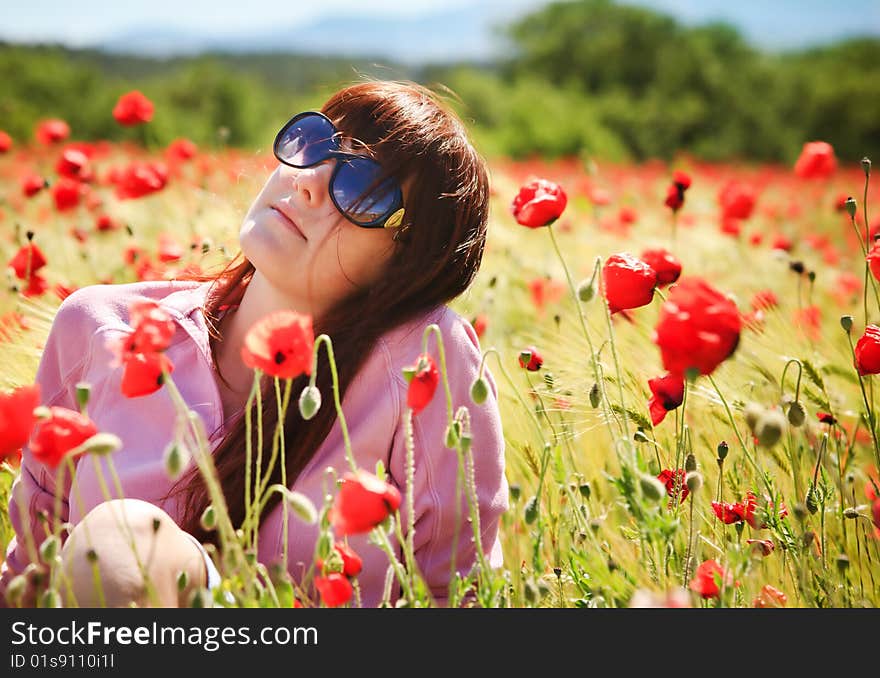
867,351
169,248
545,291
106,223
280,345
539,203
729,513
480,323
752,514
535,361
737,200
875,513
628,282
363,502
52,131
770,597
32,184
63,291
17,418
763,546
674,483
682,179
674,197
139,179
668,268
873,260
28,260
181,149
708,579
5,142
698,327
335,589
74,164
627,215
764,300
825,418
36,285
143,373
816,161
152,328
782,242
423,383
56,436
351,561
133,108
667,393
67,193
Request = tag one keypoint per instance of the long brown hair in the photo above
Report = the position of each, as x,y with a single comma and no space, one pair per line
417,139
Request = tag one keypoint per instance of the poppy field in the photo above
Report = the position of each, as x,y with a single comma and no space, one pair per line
684,353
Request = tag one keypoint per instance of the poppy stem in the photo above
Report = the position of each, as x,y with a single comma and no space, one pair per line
435,329
608,415
868,411
328,343
739,437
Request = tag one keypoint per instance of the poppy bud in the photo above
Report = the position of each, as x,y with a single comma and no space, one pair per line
453,433
209,519
531,510
515,491
723,449
479,391
690,463
796,414
15,590
50,599
176,458
309,402
770,427
850,206
652,488
49,548
752,413
846,322
92,556
302,506
800,510
640,437
595,395
797,267
102,443
694,481
584,489
842,562
866,166
587,290
851,513
82,395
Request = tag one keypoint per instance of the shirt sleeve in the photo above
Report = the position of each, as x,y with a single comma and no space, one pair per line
33,491
443,531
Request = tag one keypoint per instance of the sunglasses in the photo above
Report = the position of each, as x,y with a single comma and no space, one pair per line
357,186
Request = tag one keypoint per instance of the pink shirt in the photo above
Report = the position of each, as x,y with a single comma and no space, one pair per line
374,406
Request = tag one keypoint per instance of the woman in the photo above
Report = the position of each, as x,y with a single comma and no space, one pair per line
373,270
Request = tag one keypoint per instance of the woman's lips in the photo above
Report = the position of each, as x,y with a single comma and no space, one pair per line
290,222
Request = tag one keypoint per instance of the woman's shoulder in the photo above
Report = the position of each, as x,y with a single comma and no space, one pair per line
97,306
404,342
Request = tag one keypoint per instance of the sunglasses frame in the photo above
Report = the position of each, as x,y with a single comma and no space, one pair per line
394,215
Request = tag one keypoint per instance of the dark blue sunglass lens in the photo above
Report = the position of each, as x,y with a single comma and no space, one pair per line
359,192
306,141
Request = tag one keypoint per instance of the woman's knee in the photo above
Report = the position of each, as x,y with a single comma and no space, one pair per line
139,552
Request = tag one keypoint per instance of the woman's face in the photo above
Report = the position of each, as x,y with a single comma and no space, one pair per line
301,244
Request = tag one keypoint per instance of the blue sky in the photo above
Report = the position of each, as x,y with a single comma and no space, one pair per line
88,21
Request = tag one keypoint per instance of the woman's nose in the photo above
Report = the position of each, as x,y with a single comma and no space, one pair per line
312,184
